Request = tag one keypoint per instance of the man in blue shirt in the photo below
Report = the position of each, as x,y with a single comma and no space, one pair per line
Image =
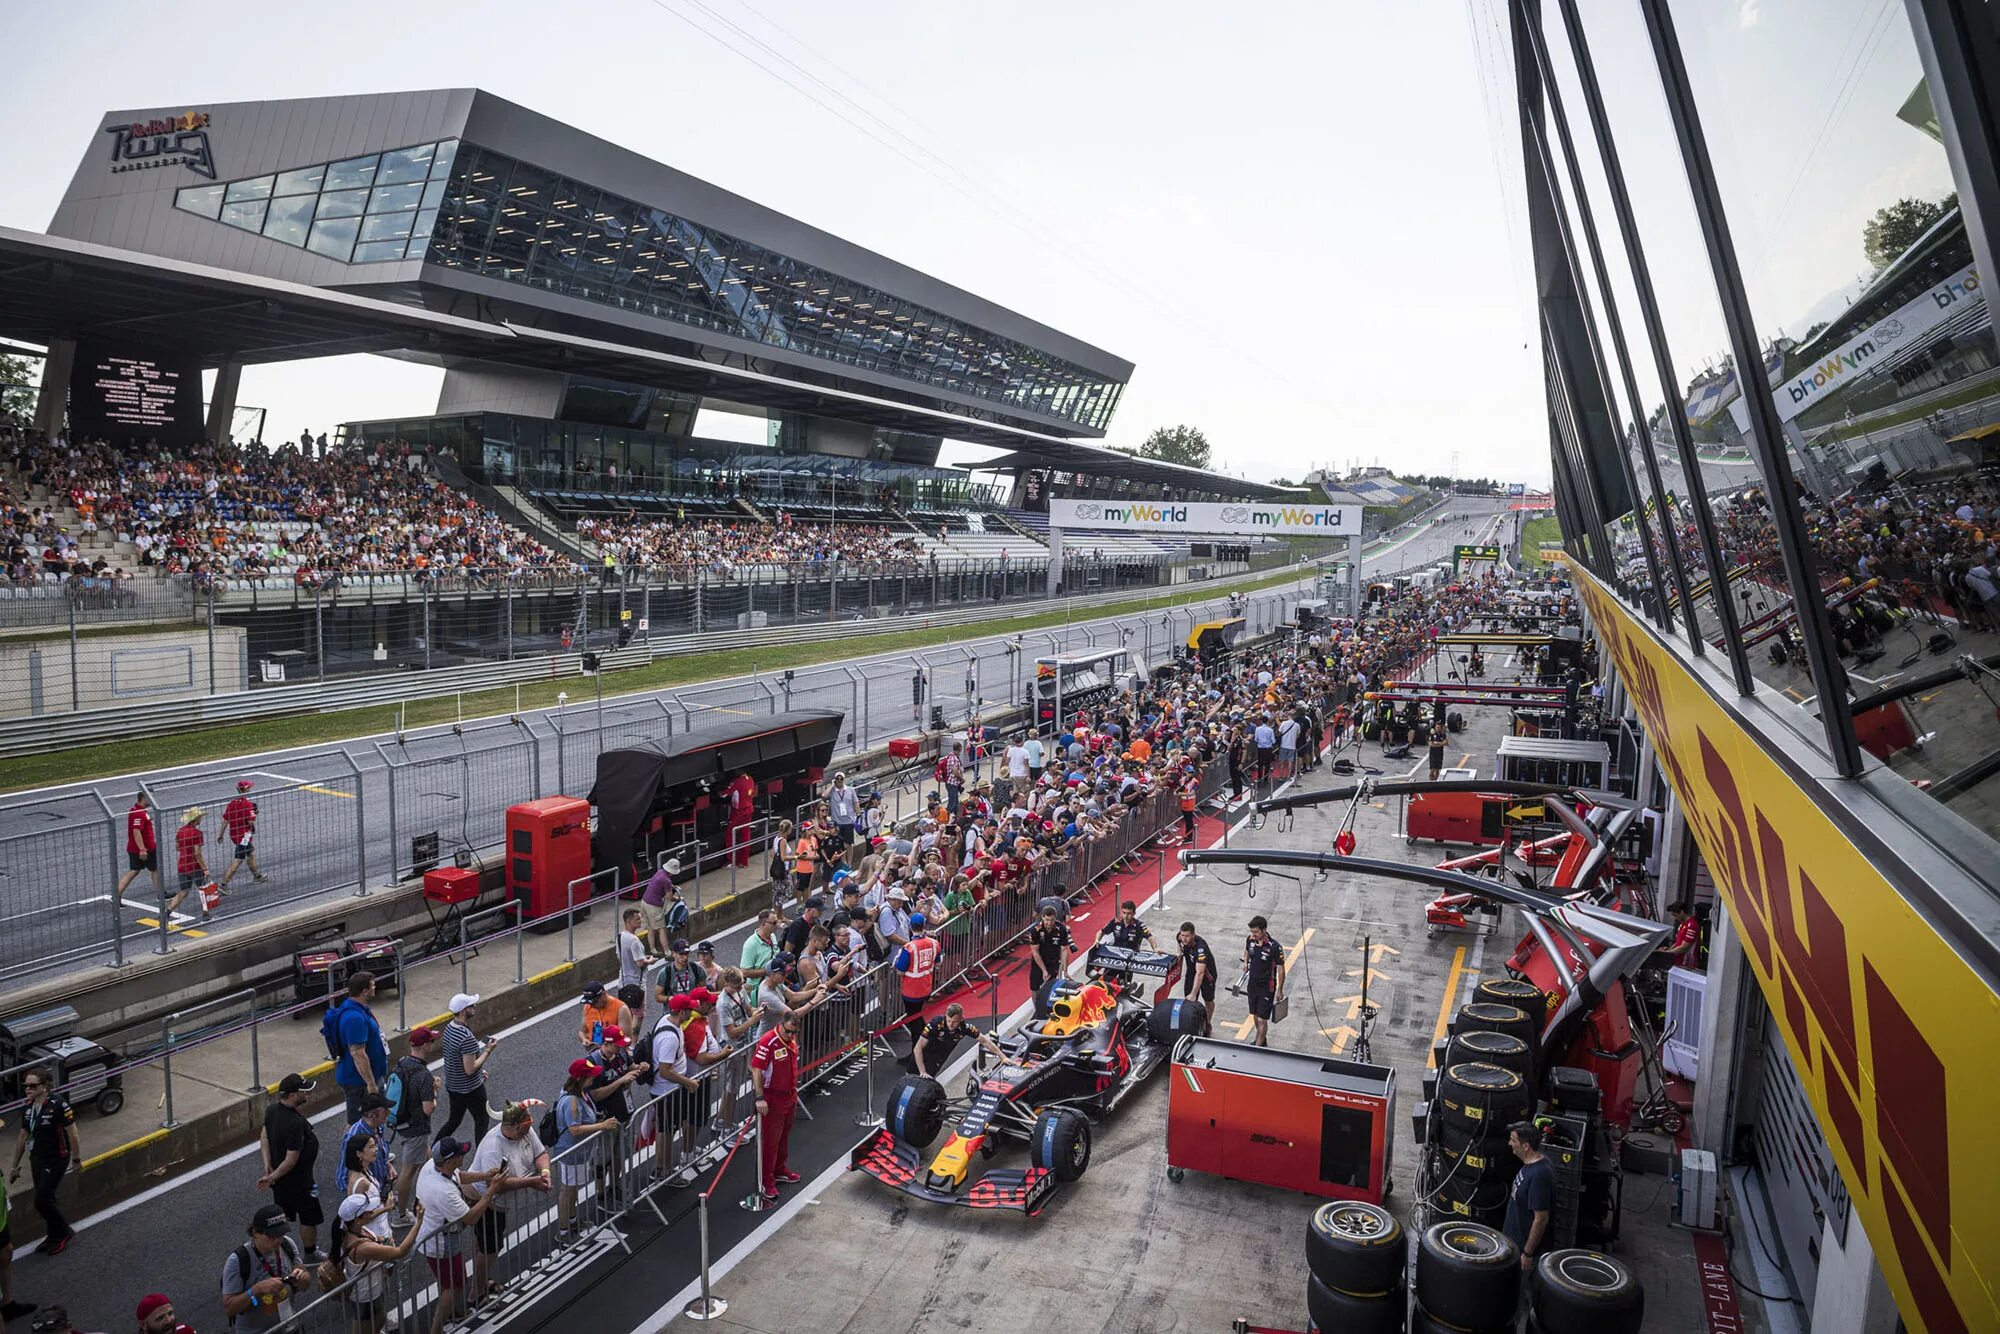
1266,741
1532,1198
363,1061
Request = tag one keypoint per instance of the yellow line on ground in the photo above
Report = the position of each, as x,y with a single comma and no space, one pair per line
1450,996
325,791
548,973
174,930
1244,1029
1793,691
127,1147
1462,759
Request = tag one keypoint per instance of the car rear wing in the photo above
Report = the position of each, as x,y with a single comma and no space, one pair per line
1118,959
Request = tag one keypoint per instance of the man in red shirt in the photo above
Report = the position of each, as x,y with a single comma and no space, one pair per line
239,819
774,1072
190,863
142,849
742,795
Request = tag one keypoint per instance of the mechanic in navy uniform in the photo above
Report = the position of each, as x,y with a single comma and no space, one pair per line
1263,976
941,1037
1197,972
1049,946
1125,931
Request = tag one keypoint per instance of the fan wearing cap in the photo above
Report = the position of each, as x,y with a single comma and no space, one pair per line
445,1210
617,1073
654,904
601,1010
680,974
239,823
363,1250
411,1120
290,1148
581,1141
189,862
514,1158
261,1276
156,1316
778,997
465,1057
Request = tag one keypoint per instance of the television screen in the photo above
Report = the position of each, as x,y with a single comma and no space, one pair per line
127,394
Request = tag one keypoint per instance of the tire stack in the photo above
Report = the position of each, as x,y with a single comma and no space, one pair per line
1477,1101
1355,1254
1583,1292
1468,1280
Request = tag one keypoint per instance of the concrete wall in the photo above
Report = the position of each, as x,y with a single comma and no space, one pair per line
476,386
108,670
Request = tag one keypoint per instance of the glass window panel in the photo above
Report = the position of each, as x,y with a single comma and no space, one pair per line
343,203
386,226
333,237
376,251
434,193
351,173
257,187
249,215
420,245
205,200
392,198
290,219
405,164
301,181
442,159
426,223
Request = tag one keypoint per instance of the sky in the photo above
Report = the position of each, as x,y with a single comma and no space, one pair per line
1301,221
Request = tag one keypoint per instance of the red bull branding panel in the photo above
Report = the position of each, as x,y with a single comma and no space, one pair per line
1177,518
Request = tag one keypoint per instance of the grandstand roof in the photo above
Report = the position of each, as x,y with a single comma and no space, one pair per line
54,288
1103,461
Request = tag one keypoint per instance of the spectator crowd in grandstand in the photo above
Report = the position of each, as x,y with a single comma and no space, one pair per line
718,546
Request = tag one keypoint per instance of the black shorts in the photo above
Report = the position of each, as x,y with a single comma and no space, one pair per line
242,851
142,861
691,1106
914,1005
300,1203
1262,1003
491,1230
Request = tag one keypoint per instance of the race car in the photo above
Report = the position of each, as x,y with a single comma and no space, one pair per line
1088,1045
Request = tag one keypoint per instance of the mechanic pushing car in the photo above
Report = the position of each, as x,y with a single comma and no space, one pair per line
1197,971
941,1037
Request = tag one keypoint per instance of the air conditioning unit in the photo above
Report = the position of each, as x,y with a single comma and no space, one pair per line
1681,1053
1695,1185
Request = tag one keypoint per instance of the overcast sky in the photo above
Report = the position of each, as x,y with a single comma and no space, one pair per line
1287,215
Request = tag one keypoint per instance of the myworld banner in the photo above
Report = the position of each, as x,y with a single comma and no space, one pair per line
1901,328
1175,518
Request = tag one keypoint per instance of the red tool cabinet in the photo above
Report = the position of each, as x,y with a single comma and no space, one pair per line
1315,1124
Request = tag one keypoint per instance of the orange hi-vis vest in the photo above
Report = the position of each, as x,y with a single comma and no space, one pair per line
917,978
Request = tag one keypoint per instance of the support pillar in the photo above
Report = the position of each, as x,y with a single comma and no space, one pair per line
53,399
222,402
1055,561
1714,1120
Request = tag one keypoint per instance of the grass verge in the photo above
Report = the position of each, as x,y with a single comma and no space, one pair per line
215,743
1534,532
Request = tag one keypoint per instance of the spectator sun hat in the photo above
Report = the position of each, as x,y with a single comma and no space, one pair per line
584,1068
448,1148
192,814
706,947
295,1084
244,785
679,947
351,1208
153,1301
270,1221
703,996
615,1036
463,1001
673,866
593,991
423,1035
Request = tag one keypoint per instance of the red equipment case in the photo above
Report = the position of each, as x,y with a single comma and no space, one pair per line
548,849
904,748
1278,1118
451,885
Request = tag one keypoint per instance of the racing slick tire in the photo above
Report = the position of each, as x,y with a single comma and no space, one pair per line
1583,1292
1518,992
1059,1144
1172,1020
916,1110
1484,1148
1355,1247
1482,1097
1423,1322
1468,1275
1502,1049
1331,1310
1495,1018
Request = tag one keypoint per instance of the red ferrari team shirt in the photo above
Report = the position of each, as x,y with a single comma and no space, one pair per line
188,840
139,831
779,1060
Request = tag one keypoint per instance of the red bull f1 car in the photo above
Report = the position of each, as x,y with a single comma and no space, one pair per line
1088,1046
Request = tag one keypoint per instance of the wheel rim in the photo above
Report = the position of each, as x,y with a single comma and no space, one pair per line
1473,1245
1584,1270
1356,1224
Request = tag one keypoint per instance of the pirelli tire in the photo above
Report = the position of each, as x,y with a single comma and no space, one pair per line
1518,992
1486,1016
1059,1143
1583,1292
1482,1097
1468,1275
1478,1150
915,1112
1502,1049
1333,1310
1423,1322
1469,1196
1356,1247
1172,1020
